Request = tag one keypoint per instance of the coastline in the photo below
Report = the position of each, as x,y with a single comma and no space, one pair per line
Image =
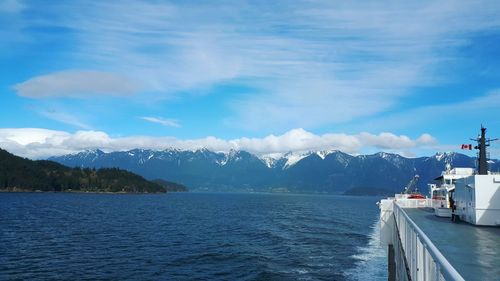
76,191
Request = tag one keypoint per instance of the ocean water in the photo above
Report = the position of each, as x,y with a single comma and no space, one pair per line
189,236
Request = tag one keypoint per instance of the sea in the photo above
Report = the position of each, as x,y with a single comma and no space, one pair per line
189,236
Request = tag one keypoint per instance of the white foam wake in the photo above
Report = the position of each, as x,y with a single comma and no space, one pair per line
371,261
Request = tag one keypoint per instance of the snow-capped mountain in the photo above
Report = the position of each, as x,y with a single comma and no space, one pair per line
287,160
312,171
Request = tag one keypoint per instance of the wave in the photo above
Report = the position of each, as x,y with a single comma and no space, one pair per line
371,260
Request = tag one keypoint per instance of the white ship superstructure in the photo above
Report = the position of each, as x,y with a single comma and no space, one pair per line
423,246
476,198
440,193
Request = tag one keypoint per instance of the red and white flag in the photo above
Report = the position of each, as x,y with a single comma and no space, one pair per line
467,146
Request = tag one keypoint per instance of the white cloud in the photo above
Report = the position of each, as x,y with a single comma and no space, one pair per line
162,121
81,84
426,139
34,142
39,143
25,136
387,140
298,140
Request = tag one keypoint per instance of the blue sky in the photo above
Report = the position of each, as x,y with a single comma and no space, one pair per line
412,77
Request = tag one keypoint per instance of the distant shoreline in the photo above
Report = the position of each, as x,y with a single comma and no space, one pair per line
77,191
194,191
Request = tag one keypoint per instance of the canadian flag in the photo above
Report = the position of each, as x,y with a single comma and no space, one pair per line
467,146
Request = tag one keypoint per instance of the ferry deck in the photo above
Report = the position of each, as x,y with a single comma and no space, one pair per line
471,250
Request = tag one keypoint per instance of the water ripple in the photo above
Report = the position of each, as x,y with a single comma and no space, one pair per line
184,236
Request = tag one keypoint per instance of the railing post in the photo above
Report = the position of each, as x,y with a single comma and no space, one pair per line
438,271
424,262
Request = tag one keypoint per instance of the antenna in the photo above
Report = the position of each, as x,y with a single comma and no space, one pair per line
482,143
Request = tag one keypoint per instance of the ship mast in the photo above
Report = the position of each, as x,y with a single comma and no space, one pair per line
482,143
412,186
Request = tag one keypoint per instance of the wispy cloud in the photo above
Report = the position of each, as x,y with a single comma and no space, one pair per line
481,108
81,84
162,121
11,6
332,62
64,118
39,143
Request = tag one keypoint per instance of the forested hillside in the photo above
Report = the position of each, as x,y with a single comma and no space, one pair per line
19,174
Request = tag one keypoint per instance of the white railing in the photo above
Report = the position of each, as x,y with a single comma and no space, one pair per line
423,259
414,203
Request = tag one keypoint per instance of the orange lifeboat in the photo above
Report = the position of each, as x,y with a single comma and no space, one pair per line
416,196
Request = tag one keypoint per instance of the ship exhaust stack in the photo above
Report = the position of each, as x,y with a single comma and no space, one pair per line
482,143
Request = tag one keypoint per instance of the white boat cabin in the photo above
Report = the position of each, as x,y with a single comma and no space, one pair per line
440,192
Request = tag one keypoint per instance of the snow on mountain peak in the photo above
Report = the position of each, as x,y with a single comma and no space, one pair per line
444,155
231,155
388,156
439,156
269,160
293,157
88,153
384,155
323,153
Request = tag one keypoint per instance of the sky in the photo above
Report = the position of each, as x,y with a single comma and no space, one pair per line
408,77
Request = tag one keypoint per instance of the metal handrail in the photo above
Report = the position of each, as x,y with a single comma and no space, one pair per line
448,271
400,246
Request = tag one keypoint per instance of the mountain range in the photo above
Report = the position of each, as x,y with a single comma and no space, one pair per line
311,172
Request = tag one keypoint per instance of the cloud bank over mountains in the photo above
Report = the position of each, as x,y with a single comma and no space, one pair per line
42,143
